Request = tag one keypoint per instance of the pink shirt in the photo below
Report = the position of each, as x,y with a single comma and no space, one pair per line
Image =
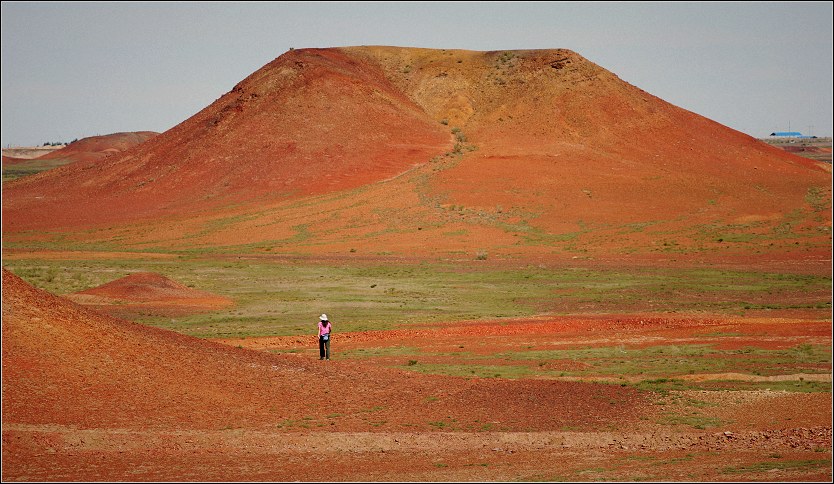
324,329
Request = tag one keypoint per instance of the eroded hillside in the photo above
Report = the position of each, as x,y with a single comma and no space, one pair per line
389,150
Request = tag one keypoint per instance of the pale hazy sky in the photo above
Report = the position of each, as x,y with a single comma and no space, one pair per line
78,69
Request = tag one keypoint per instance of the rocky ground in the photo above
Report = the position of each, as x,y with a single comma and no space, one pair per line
88,397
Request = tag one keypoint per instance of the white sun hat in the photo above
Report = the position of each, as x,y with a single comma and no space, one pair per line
323,317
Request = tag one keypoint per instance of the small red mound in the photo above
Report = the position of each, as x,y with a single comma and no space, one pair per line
145,286
149,290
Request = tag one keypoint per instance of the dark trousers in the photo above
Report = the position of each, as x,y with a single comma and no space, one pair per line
324,348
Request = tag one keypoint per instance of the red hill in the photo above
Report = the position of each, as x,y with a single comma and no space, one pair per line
421,151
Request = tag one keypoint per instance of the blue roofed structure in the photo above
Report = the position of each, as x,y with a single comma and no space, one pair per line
789,134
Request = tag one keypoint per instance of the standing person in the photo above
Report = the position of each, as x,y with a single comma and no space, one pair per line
324,337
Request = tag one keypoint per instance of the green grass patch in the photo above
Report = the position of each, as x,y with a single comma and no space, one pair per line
776,386
663,360
472,370
664,386
30,167
657,364
384,352
694,420
786,465
288,423
817,199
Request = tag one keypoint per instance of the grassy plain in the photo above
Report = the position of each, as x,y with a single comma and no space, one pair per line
282,297
652,368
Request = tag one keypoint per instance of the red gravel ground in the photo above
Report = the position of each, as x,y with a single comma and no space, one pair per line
89,397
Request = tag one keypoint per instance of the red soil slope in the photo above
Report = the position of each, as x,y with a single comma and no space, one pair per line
516,152
148,291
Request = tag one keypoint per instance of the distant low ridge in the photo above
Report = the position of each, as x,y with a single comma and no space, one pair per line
97,147
34,160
